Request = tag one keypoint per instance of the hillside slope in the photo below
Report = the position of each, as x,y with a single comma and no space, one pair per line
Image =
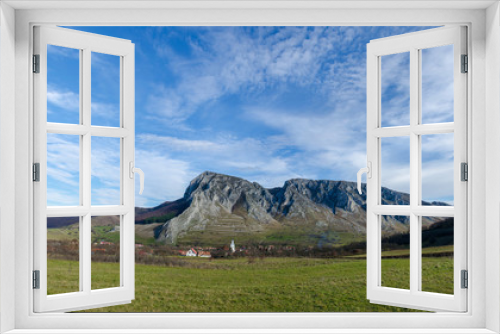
216,208
222,207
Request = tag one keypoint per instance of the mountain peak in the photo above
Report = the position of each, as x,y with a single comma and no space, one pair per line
222,206
219,206
208,179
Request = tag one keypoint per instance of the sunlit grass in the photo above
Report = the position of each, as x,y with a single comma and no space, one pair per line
63,276
268,285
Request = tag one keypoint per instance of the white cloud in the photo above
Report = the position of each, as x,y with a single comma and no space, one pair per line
396,176
63,165
437,180
105,170
64,99
332,142
105,196
437,167
395,163
105,155
63,158
177,144
223,153
437,84
56,196
105,114
174,106
256,160
395,95
227,61
165,178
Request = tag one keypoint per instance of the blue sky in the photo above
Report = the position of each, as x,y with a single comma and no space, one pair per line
263,103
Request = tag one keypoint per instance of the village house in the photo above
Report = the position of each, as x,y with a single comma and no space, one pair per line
192,252
96,251
195,252
204,254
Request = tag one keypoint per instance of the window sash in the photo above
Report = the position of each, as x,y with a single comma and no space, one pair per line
85,298
414,298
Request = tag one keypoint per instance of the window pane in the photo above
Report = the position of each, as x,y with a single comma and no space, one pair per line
105,90
395,246
395,171
63,85
437,169
395,93
106,171
63,170
63,255
437,84
105,252
437,254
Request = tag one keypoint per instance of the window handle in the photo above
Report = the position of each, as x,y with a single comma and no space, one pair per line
134,170
368,171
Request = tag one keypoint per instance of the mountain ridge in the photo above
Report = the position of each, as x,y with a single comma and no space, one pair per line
234,207
216,208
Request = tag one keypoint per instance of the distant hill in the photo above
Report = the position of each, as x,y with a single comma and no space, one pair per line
160,213
436,235
216,208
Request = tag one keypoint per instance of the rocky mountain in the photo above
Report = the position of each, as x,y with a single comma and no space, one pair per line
218,207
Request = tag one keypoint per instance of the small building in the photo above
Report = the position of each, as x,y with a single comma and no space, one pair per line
192,252
106,243
204,254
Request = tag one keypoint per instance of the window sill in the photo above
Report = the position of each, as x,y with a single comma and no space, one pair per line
251,331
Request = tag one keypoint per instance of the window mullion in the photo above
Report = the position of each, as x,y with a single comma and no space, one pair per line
85,238
418,110
415,249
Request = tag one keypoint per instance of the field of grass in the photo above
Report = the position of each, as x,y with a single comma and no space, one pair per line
303,236
395,253
243,285
437,274
63,276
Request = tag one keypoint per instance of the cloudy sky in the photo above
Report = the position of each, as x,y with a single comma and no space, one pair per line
264,103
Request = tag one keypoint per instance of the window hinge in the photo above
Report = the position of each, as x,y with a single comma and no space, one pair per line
464,171
465,64
36,63
36,279
465,279
36,172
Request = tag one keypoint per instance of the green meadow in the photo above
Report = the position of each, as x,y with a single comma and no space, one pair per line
254,285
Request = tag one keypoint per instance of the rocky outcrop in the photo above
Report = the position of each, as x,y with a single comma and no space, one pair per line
220,204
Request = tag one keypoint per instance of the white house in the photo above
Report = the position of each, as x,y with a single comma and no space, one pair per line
191,252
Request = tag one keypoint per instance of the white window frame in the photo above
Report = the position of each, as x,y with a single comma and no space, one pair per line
482,19
413,43
86,44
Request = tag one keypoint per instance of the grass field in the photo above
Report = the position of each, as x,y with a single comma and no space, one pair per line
240,285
